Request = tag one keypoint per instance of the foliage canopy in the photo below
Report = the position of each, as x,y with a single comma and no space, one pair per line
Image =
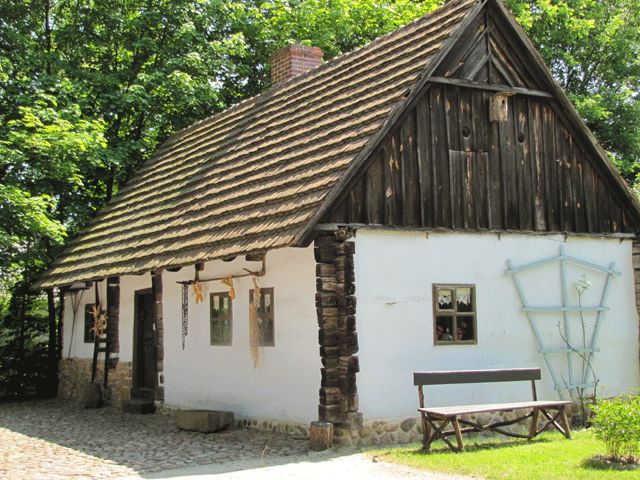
88,89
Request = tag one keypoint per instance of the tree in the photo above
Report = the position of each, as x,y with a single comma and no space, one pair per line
89,89
592,48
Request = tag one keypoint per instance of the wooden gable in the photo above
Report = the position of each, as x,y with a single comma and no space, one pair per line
453,162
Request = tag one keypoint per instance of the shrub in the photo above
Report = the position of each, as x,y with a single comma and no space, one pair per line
617,424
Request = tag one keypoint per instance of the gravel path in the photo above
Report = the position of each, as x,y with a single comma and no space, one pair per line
49,440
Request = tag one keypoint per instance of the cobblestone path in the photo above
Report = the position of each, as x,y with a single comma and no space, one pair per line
49,440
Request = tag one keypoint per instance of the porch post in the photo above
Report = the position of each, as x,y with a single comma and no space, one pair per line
52,347
336,310
113,319
156,289
61,297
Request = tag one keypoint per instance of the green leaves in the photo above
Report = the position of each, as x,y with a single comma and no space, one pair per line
617,424
22,214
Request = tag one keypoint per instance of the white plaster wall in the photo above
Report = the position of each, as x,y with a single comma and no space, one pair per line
73,328
285,384
394,276
73,337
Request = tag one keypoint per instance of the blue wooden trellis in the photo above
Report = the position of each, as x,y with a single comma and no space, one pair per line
565,309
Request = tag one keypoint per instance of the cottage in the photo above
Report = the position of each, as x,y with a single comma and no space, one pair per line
439,175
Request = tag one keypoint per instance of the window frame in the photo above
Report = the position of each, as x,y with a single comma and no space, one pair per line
271,291
454,314
220,295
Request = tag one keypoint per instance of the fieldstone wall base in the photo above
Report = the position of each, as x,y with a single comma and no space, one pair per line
269,425
409,430
75,376
252,423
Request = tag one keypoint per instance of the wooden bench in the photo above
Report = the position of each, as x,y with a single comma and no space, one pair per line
436,419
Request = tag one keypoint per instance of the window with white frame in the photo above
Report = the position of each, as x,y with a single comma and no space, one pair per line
454,314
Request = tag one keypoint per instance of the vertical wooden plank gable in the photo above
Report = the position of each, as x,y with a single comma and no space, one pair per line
425,162
448,166
374,194
411,200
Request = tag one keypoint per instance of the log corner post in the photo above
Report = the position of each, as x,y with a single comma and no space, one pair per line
336,310
156,289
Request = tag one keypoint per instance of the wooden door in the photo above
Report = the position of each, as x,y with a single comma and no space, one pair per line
144,349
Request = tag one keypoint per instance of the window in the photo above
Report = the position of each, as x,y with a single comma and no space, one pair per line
88,323
221,318
265,316
454,313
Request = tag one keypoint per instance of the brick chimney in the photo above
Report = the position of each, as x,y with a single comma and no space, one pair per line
293,60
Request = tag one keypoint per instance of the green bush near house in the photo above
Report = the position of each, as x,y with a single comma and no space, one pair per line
617,424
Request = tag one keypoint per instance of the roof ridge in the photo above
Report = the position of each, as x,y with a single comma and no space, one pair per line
396,31
449,4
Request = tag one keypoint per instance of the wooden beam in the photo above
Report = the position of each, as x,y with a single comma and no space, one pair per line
52,349
156,290
475,376
490,87
113,317
61,296
329,227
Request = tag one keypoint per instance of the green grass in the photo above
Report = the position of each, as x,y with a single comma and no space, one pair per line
548,457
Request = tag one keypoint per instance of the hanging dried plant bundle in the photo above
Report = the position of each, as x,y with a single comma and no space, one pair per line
197,292
254,328
229,283
99,320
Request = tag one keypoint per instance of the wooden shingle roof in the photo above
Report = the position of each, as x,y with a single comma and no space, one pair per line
251,178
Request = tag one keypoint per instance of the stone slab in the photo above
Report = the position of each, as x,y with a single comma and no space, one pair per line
204,421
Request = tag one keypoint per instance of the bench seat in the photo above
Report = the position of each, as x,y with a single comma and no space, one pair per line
454,411
435,420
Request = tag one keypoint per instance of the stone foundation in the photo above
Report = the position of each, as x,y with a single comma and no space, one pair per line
409,430
75,375
251,423
267,425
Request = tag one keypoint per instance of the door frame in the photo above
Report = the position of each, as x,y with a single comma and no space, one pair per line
137,296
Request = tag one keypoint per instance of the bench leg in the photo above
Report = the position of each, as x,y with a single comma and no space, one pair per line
426,432
456,429
565,422
437,432
563,426
533,429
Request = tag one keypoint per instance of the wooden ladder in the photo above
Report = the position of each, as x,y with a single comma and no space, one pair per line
100,345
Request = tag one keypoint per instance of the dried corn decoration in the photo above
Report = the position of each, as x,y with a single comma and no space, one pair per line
99,320
229,283
197,292
254,323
